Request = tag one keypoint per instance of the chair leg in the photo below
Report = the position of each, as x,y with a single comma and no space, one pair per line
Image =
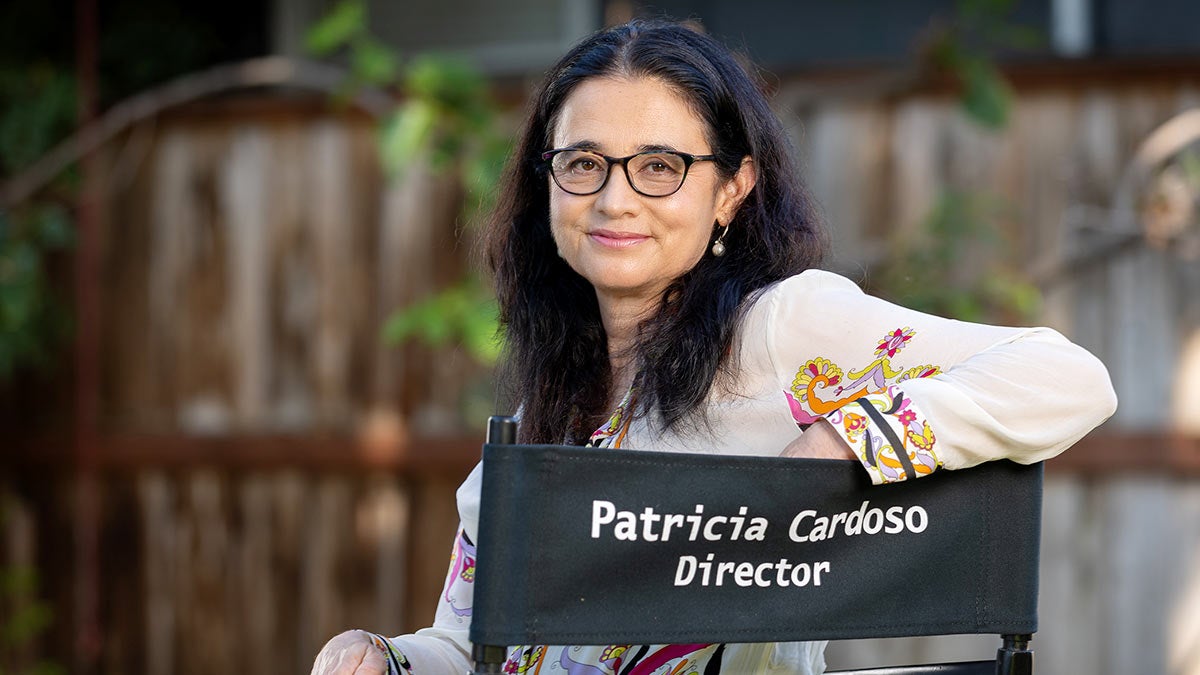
1014,656
488,659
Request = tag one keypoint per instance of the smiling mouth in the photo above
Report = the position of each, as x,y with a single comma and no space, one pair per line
612,239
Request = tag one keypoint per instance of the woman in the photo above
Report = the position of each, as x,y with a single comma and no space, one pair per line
654,255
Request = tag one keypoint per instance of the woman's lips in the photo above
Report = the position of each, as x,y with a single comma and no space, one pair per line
613,239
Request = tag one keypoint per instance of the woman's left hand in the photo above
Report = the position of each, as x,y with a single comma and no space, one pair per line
350,653
819,441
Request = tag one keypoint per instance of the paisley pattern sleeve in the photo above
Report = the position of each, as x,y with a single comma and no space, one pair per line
910,392
869,410
889,435
459,591
397,662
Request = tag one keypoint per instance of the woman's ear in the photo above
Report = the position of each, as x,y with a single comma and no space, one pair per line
736,189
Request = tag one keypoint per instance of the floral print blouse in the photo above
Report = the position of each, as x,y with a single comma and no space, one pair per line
909,392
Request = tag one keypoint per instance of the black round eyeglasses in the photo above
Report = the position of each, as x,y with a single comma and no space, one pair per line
654,173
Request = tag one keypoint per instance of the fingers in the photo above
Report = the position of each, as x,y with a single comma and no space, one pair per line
820,441
350,653
372,663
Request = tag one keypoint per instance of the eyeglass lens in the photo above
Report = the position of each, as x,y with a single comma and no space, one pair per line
651,173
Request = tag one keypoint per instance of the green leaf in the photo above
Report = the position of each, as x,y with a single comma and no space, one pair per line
372,62
47,668
464,314
405,134
447,80
37,109
30,320
423,319
26,623
347,20
986,96
1020,37
399,326
482,333
17,580
54,228
481,175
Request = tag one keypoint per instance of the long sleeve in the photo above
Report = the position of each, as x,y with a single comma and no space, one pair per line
444,647
909,391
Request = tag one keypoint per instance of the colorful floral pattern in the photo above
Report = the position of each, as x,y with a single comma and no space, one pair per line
890,437
397,662
614,424
458,592
524,659
866,408
690,659
894,341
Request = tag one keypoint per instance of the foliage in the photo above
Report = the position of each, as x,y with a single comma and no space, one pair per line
37,107
26,619
935,270
464,312
447,123
965,49
958,263
345,27
30,320
141,43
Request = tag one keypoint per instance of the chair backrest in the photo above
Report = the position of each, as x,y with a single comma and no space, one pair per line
582,546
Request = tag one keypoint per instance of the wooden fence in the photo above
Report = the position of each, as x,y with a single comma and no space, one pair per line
213,570
270,473
266,471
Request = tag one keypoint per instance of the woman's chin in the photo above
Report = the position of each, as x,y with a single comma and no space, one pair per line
626,287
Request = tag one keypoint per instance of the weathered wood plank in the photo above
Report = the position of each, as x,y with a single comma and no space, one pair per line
157,496
242,199
256,578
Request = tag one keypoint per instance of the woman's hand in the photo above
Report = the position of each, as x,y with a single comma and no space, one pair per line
819,441
350,653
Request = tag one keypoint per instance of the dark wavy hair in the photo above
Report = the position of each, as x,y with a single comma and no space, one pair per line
557,361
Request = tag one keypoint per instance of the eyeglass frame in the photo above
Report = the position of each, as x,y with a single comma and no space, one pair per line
688,160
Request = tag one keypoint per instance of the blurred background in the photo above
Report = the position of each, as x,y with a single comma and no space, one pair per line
245,354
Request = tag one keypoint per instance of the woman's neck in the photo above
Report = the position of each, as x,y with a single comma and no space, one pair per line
621,317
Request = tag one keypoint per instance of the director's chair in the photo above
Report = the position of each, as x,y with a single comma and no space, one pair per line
575,548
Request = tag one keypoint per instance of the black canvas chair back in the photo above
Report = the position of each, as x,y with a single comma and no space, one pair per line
581,546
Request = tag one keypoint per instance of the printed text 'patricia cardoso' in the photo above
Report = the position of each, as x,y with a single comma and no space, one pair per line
806,526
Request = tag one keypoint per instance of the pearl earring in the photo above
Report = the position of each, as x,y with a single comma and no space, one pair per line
718,247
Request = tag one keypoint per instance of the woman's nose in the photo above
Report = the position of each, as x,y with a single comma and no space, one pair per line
617,197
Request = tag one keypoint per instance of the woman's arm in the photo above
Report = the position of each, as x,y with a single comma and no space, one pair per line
444,647
441,648
907,392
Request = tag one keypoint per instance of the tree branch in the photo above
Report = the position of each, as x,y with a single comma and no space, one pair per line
262,72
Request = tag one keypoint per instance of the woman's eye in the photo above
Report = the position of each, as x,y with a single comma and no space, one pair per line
655,165
584,165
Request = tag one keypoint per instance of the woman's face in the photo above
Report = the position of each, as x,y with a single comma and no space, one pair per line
626,244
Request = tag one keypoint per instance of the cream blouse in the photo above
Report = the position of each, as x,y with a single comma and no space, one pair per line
908,392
